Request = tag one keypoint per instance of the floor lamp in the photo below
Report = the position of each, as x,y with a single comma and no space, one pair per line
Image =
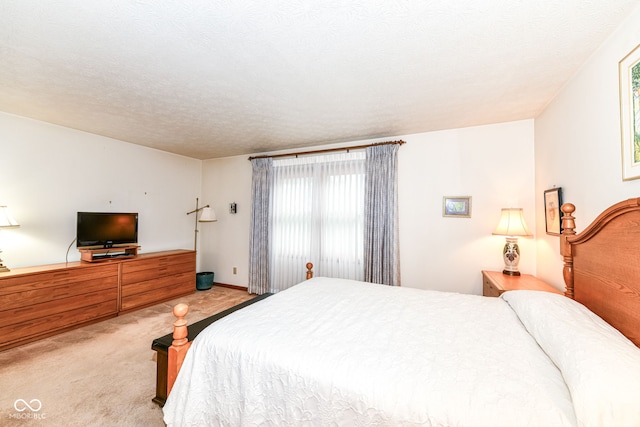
208,215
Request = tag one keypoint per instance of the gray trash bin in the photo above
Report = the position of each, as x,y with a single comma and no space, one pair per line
204,280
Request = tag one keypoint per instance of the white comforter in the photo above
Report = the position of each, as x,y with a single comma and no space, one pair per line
338,352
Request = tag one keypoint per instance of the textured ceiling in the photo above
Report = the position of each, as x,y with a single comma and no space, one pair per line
209,79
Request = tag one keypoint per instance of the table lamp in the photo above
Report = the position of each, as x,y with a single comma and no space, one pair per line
6,221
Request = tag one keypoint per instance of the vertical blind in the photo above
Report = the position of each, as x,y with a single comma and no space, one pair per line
317,215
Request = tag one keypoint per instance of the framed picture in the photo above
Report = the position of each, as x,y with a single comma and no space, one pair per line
459,207
629,68
552,214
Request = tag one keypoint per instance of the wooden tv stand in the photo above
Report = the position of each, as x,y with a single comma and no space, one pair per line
37,302
105,254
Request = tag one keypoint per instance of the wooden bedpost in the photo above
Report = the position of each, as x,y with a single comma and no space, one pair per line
568,230
180,345
309,271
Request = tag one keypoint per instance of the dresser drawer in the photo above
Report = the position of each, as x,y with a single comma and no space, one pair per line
39,327
151,297
148,269
489,289
46,280
156,284
55,307
42,293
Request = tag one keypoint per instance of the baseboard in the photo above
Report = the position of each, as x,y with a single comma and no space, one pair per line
224,285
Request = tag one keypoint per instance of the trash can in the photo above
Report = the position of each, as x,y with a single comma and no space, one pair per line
204,280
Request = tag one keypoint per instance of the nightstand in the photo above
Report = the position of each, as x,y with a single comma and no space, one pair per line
495,283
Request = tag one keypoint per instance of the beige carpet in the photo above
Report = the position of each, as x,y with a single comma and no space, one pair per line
99,375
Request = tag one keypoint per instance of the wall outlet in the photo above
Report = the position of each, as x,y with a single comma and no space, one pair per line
235,270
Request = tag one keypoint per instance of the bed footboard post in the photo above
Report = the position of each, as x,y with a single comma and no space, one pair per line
309,271
179,346
568,230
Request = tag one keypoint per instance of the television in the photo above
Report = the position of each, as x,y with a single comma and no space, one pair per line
106,229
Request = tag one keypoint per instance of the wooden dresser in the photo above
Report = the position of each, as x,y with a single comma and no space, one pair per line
495,283
37,302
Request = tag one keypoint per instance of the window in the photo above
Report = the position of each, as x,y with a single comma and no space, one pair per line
318,216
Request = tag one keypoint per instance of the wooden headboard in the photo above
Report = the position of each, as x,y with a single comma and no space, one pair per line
602,264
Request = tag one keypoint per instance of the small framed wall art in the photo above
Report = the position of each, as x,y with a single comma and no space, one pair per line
629,68
456,207
552,214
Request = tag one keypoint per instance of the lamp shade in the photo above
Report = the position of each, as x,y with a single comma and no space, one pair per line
6,220
208,215
512,223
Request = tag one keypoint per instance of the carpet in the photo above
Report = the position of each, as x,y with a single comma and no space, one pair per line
98,375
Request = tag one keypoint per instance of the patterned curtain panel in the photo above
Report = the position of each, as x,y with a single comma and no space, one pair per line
381,243
317,216
260,225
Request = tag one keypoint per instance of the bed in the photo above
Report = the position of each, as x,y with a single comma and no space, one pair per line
339,352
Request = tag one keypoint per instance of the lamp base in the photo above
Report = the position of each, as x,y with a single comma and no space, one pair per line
511,273
2,266
511,256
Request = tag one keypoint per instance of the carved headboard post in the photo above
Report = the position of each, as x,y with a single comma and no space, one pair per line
309,271
568,230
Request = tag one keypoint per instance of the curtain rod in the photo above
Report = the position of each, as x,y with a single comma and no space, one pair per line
327,150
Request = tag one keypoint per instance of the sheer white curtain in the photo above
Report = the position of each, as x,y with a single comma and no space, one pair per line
317,210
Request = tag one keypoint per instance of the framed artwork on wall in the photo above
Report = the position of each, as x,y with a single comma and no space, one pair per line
457,207
629,69
552,214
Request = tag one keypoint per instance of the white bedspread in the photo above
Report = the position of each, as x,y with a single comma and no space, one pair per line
338,352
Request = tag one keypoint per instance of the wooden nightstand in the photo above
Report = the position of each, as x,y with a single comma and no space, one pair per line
495,283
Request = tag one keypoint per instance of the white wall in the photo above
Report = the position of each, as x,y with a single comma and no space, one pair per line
577,145
48,173
225,243
493,164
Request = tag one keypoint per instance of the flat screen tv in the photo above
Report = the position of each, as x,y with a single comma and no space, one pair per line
106,229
